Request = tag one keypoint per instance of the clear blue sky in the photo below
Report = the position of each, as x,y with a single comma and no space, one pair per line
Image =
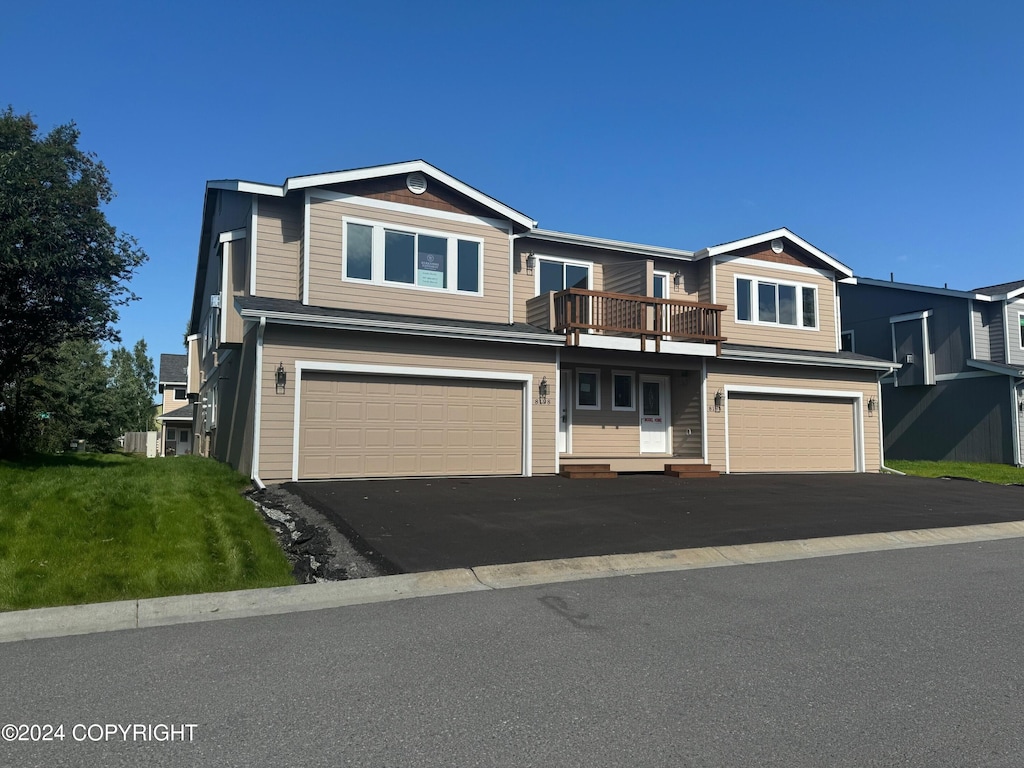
889,134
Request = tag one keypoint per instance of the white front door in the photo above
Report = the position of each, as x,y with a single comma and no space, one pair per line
564,410
654,414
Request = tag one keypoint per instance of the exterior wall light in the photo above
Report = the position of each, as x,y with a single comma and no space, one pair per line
872,405
531,262
282,378
719,397
677,278
543,387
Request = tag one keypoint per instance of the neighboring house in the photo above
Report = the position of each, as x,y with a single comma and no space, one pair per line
175,413
959,393
394,321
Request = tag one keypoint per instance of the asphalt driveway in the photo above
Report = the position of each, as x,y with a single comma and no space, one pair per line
424,525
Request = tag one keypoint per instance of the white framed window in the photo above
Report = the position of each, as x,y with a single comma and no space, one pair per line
662,285
623,391
588,389
179,393
1020,323
763,301
555,274
410,257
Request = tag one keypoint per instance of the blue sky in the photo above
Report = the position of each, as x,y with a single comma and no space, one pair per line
890,135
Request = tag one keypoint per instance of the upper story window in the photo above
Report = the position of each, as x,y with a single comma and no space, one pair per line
400,256
179,393
558,274
774,302
1020,319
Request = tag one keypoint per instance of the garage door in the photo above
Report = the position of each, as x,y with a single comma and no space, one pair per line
771,433
396,426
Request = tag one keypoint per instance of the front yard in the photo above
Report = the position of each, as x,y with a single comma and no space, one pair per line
90,528
1001,474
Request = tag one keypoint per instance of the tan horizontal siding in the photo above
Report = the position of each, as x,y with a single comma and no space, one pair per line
613,272
278,247
823,338
328,289
721,373
285,345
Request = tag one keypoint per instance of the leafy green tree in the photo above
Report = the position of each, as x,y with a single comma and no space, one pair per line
133,383
73,392
64,269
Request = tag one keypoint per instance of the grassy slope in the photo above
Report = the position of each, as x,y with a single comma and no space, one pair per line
91,528
989,473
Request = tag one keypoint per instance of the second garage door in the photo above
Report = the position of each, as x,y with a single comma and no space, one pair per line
772,433
379,426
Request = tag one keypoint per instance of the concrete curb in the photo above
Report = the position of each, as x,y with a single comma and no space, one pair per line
163,611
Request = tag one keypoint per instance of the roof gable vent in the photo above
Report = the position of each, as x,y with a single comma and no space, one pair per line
416,182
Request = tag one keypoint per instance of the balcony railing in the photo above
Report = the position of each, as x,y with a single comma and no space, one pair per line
578,310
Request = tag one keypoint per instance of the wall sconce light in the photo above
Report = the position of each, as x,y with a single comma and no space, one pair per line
282,378
531,262
543,387
719,397
677,278
872,405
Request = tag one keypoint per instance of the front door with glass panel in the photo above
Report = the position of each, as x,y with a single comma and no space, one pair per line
564,411
654,414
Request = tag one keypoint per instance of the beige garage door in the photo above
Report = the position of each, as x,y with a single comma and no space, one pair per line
381,426
769,433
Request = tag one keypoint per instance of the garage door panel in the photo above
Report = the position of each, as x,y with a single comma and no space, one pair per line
380,427
775,433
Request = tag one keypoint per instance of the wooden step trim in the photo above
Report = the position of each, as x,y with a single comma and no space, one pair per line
588,474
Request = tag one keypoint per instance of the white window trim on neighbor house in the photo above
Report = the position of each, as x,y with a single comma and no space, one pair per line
753,305
377,257
632,390
597,389
1020,329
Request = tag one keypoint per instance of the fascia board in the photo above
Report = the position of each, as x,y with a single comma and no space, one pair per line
717,250
776,357
412,166
385,326
876,283
567,238
1006,370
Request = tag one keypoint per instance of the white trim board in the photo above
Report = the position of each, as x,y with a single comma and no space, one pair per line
302,366
856,399
253,224
412,210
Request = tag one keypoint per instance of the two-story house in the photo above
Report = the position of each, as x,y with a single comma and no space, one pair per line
959,393
174,414
394,321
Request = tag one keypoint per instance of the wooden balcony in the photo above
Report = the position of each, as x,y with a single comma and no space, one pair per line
578,310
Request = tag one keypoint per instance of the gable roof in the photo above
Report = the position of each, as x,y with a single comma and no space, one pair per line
1012,289
375,172
766,237
173,369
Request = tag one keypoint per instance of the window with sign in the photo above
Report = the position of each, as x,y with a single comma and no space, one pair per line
385,255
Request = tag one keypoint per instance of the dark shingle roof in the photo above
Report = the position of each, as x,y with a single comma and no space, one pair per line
838,357
1001,288
185,412
173,369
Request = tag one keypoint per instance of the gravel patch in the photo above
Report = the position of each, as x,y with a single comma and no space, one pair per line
315,548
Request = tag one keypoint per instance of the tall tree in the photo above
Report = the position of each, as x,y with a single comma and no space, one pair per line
132,382
64,269
72,391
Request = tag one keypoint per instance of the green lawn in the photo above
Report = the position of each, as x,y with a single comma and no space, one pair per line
1002,474
89,528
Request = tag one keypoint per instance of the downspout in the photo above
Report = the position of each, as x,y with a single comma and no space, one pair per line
881,431
259,406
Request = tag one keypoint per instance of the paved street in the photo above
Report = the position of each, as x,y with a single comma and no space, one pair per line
900,658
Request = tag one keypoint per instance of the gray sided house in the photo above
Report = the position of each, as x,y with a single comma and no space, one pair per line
959,393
